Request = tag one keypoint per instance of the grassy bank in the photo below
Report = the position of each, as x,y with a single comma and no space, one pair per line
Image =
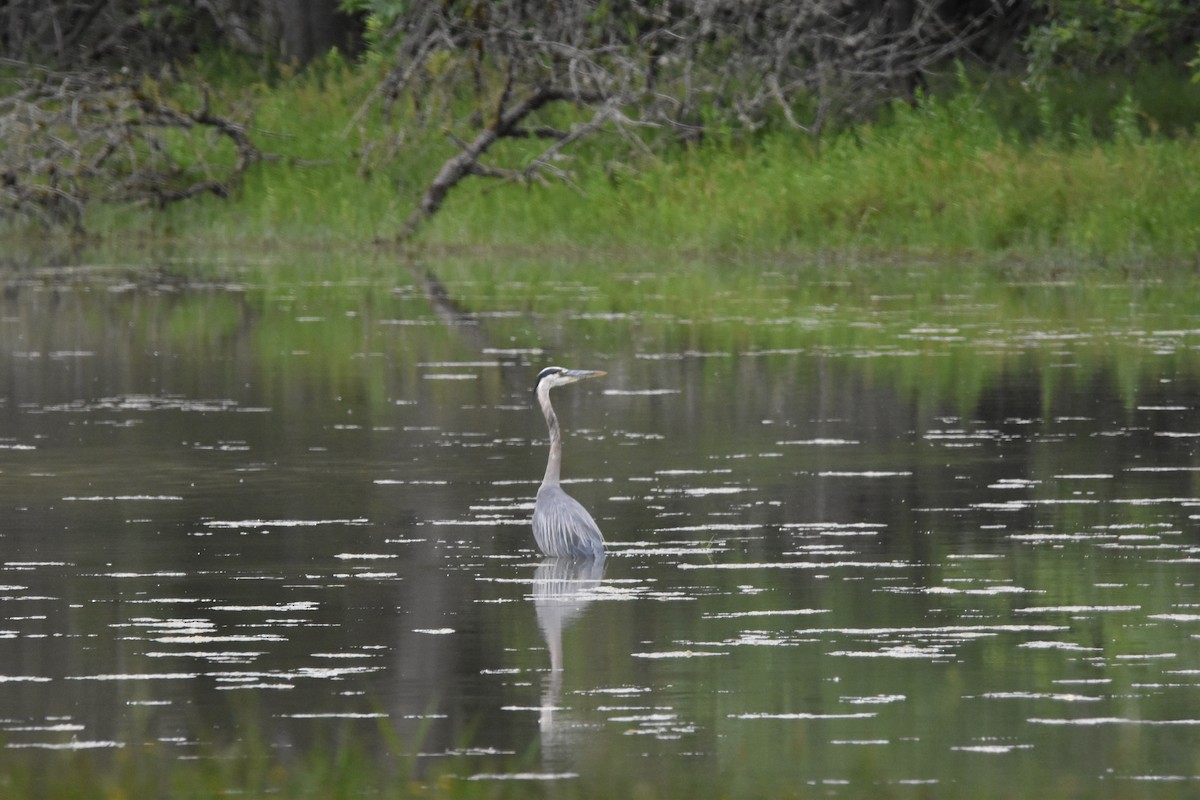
989,169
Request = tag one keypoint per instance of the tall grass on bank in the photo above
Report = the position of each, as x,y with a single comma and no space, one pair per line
940,178
1006,171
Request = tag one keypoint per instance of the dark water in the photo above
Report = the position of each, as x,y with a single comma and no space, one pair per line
954,554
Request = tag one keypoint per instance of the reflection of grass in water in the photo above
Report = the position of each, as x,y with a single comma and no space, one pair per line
346,764
940,332
944,330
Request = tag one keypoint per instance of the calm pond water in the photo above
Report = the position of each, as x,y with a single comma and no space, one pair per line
864,540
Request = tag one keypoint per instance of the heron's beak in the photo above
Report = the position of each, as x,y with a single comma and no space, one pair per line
582,374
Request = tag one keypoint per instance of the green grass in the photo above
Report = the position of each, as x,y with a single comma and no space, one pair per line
1080,170
249,770
941,179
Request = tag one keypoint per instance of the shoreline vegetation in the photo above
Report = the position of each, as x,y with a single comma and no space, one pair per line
1078,171
1056,130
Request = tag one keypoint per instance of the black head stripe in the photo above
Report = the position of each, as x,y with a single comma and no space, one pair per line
548,371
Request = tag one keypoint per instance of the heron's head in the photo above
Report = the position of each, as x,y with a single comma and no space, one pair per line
557,376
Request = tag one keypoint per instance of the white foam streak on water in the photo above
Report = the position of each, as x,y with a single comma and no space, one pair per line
702,549
801,565
759,639
60,727
991,749
282,523
138,676
804,715
982,628
1017,505
1075,609
326,673
878,699
950,590
142,403
1037,538
835,528
711,526
298,605
898,651
958,435
1062,698
644,718
818,442
768,613
1142,656
1154,501
72,745
523,776
1093,721
202,639
337,715
1014,483
217,656
1069,646
621,691
123,498
174,624
1184,468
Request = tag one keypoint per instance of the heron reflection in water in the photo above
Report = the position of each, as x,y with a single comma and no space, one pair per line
562,588
561,526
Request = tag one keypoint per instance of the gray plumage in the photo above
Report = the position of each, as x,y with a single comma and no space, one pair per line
562,527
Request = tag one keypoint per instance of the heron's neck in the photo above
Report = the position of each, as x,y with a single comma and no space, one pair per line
554,462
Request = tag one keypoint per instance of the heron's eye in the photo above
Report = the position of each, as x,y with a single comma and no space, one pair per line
549,371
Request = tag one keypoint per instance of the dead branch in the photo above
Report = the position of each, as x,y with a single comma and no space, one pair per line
599,120
75,138
466,161
657,74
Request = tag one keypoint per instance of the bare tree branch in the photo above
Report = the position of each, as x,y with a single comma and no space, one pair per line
466,162
656,74
73,138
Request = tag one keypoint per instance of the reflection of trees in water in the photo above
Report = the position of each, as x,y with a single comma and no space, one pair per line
562,589
77,349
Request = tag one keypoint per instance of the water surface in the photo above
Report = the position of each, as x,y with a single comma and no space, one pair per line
860,537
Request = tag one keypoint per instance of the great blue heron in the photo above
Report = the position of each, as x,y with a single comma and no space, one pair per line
561,526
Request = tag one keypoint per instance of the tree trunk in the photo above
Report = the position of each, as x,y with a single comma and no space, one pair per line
309,28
